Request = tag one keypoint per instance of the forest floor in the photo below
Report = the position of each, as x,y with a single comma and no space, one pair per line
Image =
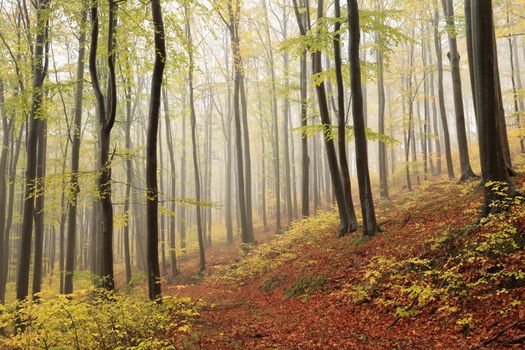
433,279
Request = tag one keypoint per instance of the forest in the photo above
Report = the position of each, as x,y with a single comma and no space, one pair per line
262,174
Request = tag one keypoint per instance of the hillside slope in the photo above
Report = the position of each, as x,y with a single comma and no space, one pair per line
433,279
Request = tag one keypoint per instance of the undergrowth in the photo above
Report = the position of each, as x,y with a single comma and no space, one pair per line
268,256
457,268
95,319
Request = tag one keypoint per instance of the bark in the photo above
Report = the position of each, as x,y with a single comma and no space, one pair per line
75,153
173,182
302,20
329,143
286,128
247,154
129,178
516,85
7,128
152,202
492,159
435,125
426,144
242,187
39,74
182,213
275,128
370,226
441,96
383,171
106,111
193,119
39,207
454,57
341,116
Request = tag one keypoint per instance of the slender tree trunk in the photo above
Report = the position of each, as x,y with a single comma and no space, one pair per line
426,142
286,128
39,207
516,86
7,127
75,153
106,110
183,216
383,166
193,119
152,202
453,55
39,73
173,182
242,187
129,181
329,143
441,96
435,124
370,226
341,114
302,20
275,133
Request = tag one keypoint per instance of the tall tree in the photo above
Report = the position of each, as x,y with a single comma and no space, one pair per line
275,126
173,182
106,111
331,154
303,20
193,119
497,186
243,183
370,226
39,191
75,153
454,58
341,118
383,171
40,65
7,127
152,202
441,94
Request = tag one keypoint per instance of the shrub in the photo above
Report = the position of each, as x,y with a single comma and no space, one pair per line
96,319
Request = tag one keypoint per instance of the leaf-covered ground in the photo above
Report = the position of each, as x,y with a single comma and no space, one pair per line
431,280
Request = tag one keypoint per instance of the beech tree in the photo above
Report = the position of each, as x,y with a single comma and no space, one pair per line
106,111
370,226
496,183
40,66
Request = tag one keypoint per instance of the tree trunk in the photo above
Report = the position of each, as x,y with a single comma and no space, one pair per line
329,143
494,169
286,128
453,56
303,22
341,116
242,188
193,119
173,182
39,74
106,110
39,207
516,86
370,226
75,153
383,171
7,128
152,202
442,109
435,124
